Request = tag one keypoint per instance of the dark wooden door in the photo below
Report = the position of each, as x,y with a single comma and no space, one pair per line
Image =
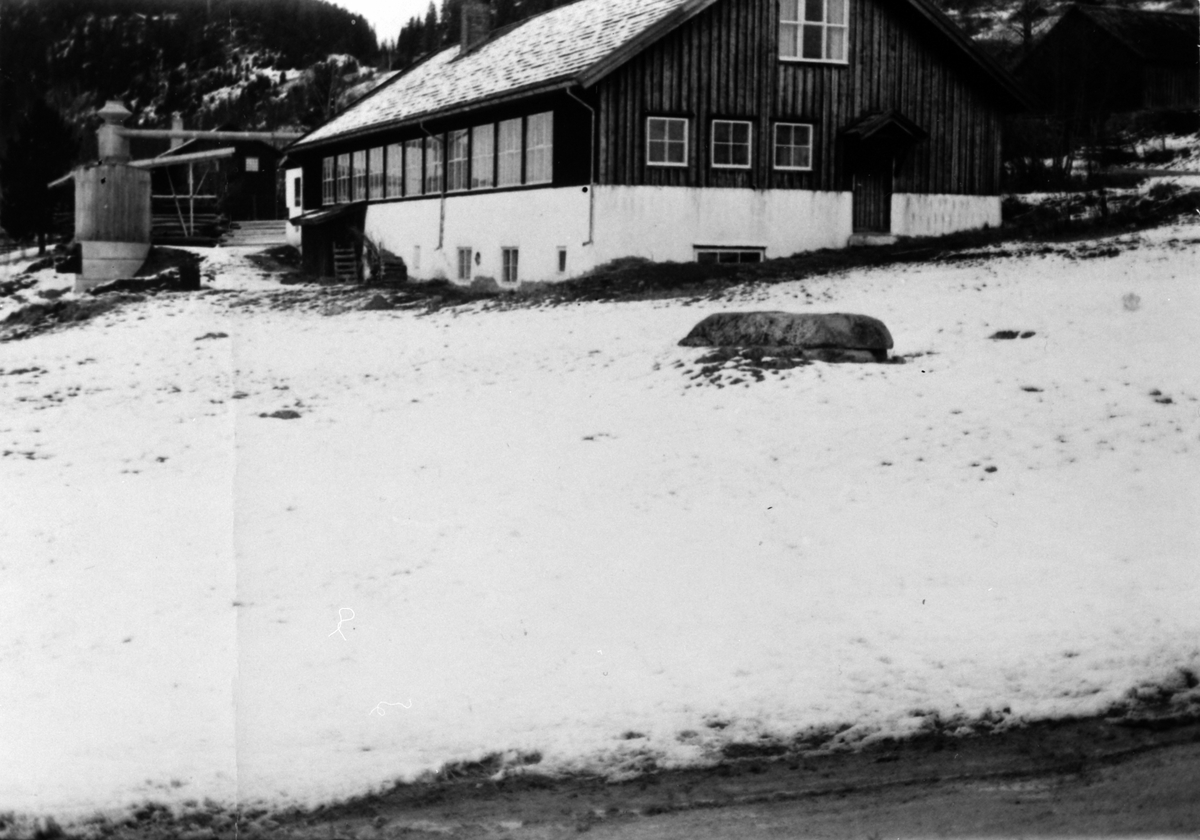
873,192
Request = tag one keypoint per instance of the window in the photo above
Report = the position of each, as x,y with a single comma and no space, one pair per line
358,176
413,167
509,154
328,168
731,144
562,259
375,173
793,146
298,191
539,148
483,166
433,164
464,263
813,30
251,164
509,260
394,183
343,178
456,159
666,141
715,254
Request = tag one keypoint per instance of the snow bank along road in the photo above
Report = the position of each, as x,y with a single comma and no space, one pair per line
530,531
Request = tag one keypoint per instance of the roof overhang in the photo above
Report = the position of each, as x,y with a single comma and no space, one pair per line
429,116
320,217
888,124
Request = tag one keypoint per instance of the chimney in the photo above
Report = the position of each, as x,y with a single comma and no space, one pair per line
176,125
114,146
476,21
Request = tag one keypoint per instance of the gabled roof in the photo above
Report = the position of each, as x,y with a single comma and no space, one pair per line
1156,37
888,122
573,45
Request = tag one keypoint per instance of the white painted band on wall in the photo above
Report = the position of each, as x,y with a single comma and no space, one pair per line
914,214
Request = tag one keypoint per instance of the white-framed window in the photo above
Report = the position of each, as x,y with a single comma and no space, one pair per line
343,178
483,165
465,256
509,154
666,141
298,191
457,160
793,146
394,183
413,167
375,173
433,164
539,148
251,164
721,254
509,259
358,176
731,144
813,30
328,177
562,259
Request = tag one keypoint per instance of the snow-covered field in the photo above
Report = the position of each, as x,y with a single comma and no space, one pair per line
530,531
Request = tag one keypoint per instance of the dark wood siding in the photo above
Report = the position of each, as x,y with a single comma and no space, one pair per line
724,64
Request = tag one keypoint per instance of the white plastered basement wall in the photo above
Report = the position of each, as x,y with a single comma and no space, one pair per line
657,223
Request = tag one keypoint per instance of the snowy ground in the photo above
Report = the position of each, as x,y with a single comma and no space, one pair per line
551,540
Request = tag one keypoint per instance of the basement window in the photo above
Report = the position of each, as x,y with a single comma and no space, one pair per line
813,30
509,264
464,264
721,254
562,259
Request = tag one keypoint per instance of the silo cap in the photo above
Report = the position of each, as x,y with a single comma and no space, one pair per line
114,112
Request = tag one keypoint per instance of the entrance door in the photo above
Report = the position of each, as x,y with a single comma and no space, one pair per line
873,189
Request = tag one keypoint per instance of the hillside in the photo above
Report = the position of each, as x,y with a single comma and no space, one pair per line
258,63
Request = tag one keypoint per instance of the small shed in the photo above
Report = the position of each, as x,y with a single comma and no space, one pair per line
241,184
1099,60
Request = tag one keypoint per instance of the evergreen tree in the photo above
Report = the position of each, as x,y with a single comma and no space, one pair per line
41,149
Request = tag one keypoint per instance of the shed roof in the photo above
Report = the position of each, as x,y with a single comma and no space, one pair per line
1156,37
576,44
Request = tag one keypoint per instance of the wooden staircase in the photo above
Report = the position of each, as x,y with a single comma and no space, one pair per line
345,264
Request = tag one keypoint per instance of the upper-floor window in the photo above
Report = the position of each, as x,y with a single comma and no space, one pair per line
666,141
509,154
793,146
813,30
456,159
731,144
358,176
539,148
413,167
343,178
483,165
375,173
394,183
328,168
433,164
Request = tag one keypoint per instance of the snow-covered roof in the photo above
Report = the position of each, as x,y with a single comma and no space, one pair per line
573,44
556,46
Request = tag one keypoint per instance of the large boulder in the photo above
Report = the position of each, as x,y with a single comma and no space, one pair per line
792,331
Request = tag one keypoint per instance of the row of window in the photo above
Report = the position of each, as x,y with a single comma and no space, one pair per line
510,259
732,143
510,153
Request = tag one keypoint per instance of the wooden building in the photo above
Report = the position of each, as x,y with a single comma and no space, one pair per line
727,130
1101,60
